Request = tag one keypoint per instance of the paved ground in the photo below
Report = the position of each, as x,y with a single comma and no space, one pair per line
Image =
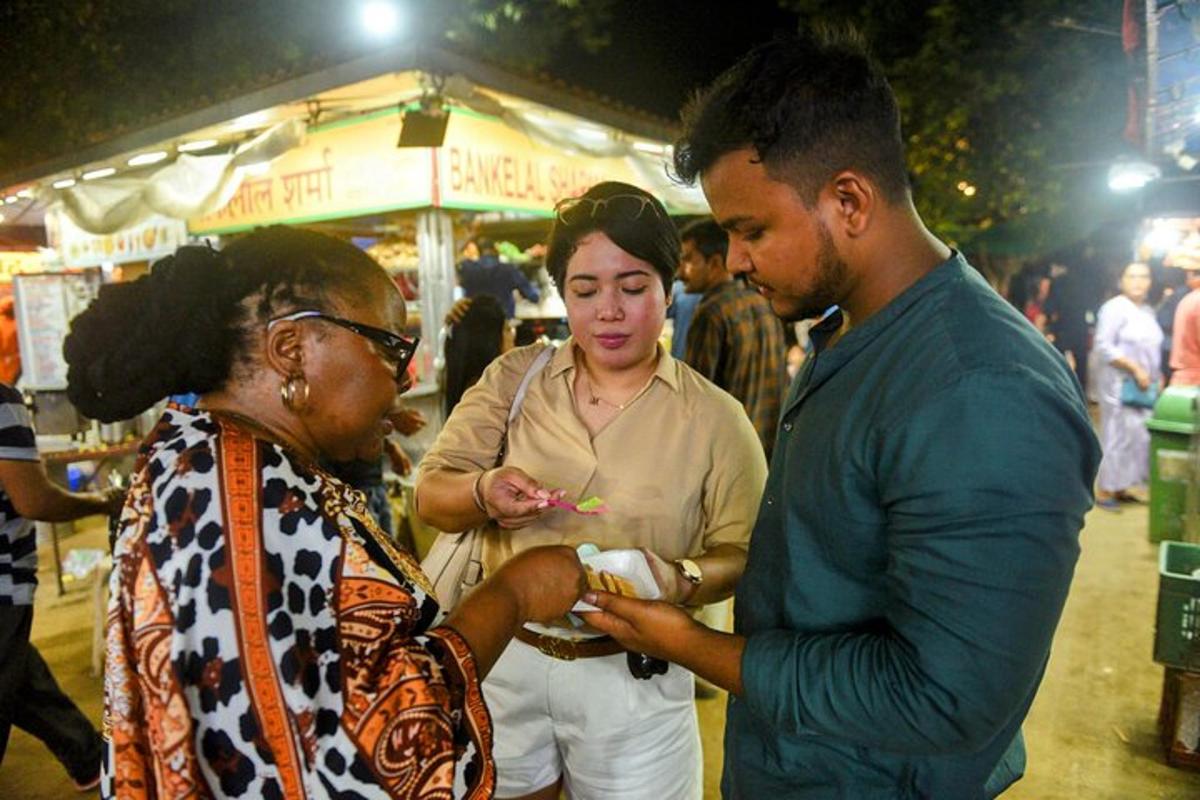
1091,733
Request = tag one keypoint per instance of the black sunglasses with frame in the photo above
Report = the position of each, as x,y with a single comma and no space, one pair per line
573,210
394,347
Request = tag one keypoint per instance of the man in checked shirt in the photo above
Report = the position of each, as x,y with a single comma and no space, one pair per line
734,340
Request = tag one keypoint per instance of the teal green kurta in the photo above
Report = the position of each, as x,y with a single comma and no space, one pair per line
912,555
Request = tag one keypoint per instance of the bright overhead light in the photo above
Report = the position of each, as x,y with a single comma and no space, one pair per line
1128,176
99,173
380,19
65,183
12,198
537,119
199,144
1162,236
1,218
650,147
969,190
592,133
25,193
147,158
249,120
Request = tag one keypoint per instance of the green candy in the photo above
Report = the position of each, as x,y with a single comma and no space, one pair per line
591,504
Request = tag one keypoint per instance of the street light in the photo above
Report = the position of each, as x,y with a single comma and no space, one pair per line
380,18
1164,235
1129,176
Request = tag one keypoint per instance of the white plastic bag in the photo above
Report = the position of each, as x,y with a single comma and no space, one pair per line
628,564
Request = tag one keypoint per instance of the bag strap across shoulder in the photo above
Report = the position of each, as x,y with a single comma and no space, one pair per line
543,358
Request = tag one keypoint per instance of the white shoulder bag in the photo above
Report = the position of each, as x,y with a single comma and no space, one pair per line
454,563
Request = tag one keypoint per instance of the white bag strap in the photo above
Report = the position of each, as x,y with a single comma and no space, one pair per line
538,364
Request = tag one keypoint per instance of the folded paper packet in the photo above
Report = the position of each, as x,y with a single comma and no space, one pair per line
623,572
607,582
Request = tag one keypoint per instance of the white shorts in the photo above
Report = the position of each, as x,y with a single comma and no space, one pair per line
611,736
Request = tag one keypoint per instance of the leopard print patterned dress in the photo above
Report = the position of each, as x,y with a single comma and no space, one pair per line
265,639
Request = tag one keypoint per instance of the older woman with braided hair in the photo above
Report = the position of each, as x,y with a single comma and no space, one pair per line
265,639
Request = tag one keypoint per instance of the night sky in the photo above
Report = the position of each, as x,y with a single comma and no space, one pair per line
660,51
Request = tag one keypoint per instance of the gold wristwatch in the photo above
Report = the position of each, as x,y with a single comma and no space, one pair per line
690,571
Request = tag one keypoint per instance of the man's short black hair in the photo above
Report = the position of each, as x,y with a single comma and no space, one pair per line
707,236
810,105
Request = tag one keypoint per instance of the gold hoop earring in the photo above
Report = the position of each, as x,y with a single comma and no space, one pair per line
294,393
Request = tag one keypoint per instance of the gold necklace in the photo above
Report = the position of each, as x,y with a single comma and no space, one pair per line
595,400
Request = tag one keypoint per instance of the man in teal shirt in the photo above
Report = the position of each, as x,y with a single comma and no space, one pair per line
934,460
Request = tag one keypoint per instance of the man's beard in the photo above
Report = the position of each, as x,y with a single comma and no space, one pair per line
828,288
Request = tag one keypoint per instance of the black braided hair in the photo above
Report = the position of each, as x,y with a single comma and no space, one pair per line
187,325
474,342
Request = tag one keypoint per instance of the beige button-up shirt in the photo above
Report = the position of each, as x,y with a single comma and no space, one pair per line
680,468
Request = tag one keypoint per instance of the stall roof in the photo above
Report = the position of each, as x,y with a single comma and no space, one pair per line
349,88
22,237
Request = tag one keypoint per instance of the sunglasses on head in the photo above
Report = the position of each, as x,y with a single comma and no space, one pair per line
573,210
397,349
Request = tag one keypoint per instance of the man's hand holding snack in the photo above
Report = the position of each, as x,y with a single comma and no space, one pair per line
666,631
644,626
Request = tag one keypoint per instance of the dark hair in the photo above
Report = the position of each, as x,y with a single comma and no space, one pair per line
810,105
485,246
709,237
185,326
1174,277
649,234
471,344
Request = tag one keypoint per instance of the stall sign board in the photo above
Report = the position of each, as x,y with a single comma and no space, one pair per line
153,238
15,262
354,168
345,169
1174,74
1174,240
45,305
485,164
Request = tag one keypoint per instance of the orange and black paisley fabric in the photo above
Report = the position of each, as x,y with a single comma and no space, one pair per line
265,639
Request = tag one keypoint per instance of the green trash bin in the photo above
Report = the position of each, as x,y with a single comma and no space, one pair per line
1172,428
1177,624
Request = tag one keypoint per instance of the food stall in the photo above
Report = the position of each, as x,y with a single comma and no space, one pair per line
1173,240
407,153
77,452
498,170
348,151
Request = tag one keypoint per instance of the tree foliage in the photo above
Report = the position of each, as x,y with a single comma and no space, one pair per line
1000,97
84,71
994,95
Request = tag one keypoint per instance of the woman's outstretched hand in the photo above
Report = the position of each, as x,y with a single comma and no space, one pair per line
538,585
545,582
512,498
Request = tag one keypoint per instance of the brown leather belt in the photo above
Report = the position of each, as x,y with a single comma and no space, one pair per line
570,649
